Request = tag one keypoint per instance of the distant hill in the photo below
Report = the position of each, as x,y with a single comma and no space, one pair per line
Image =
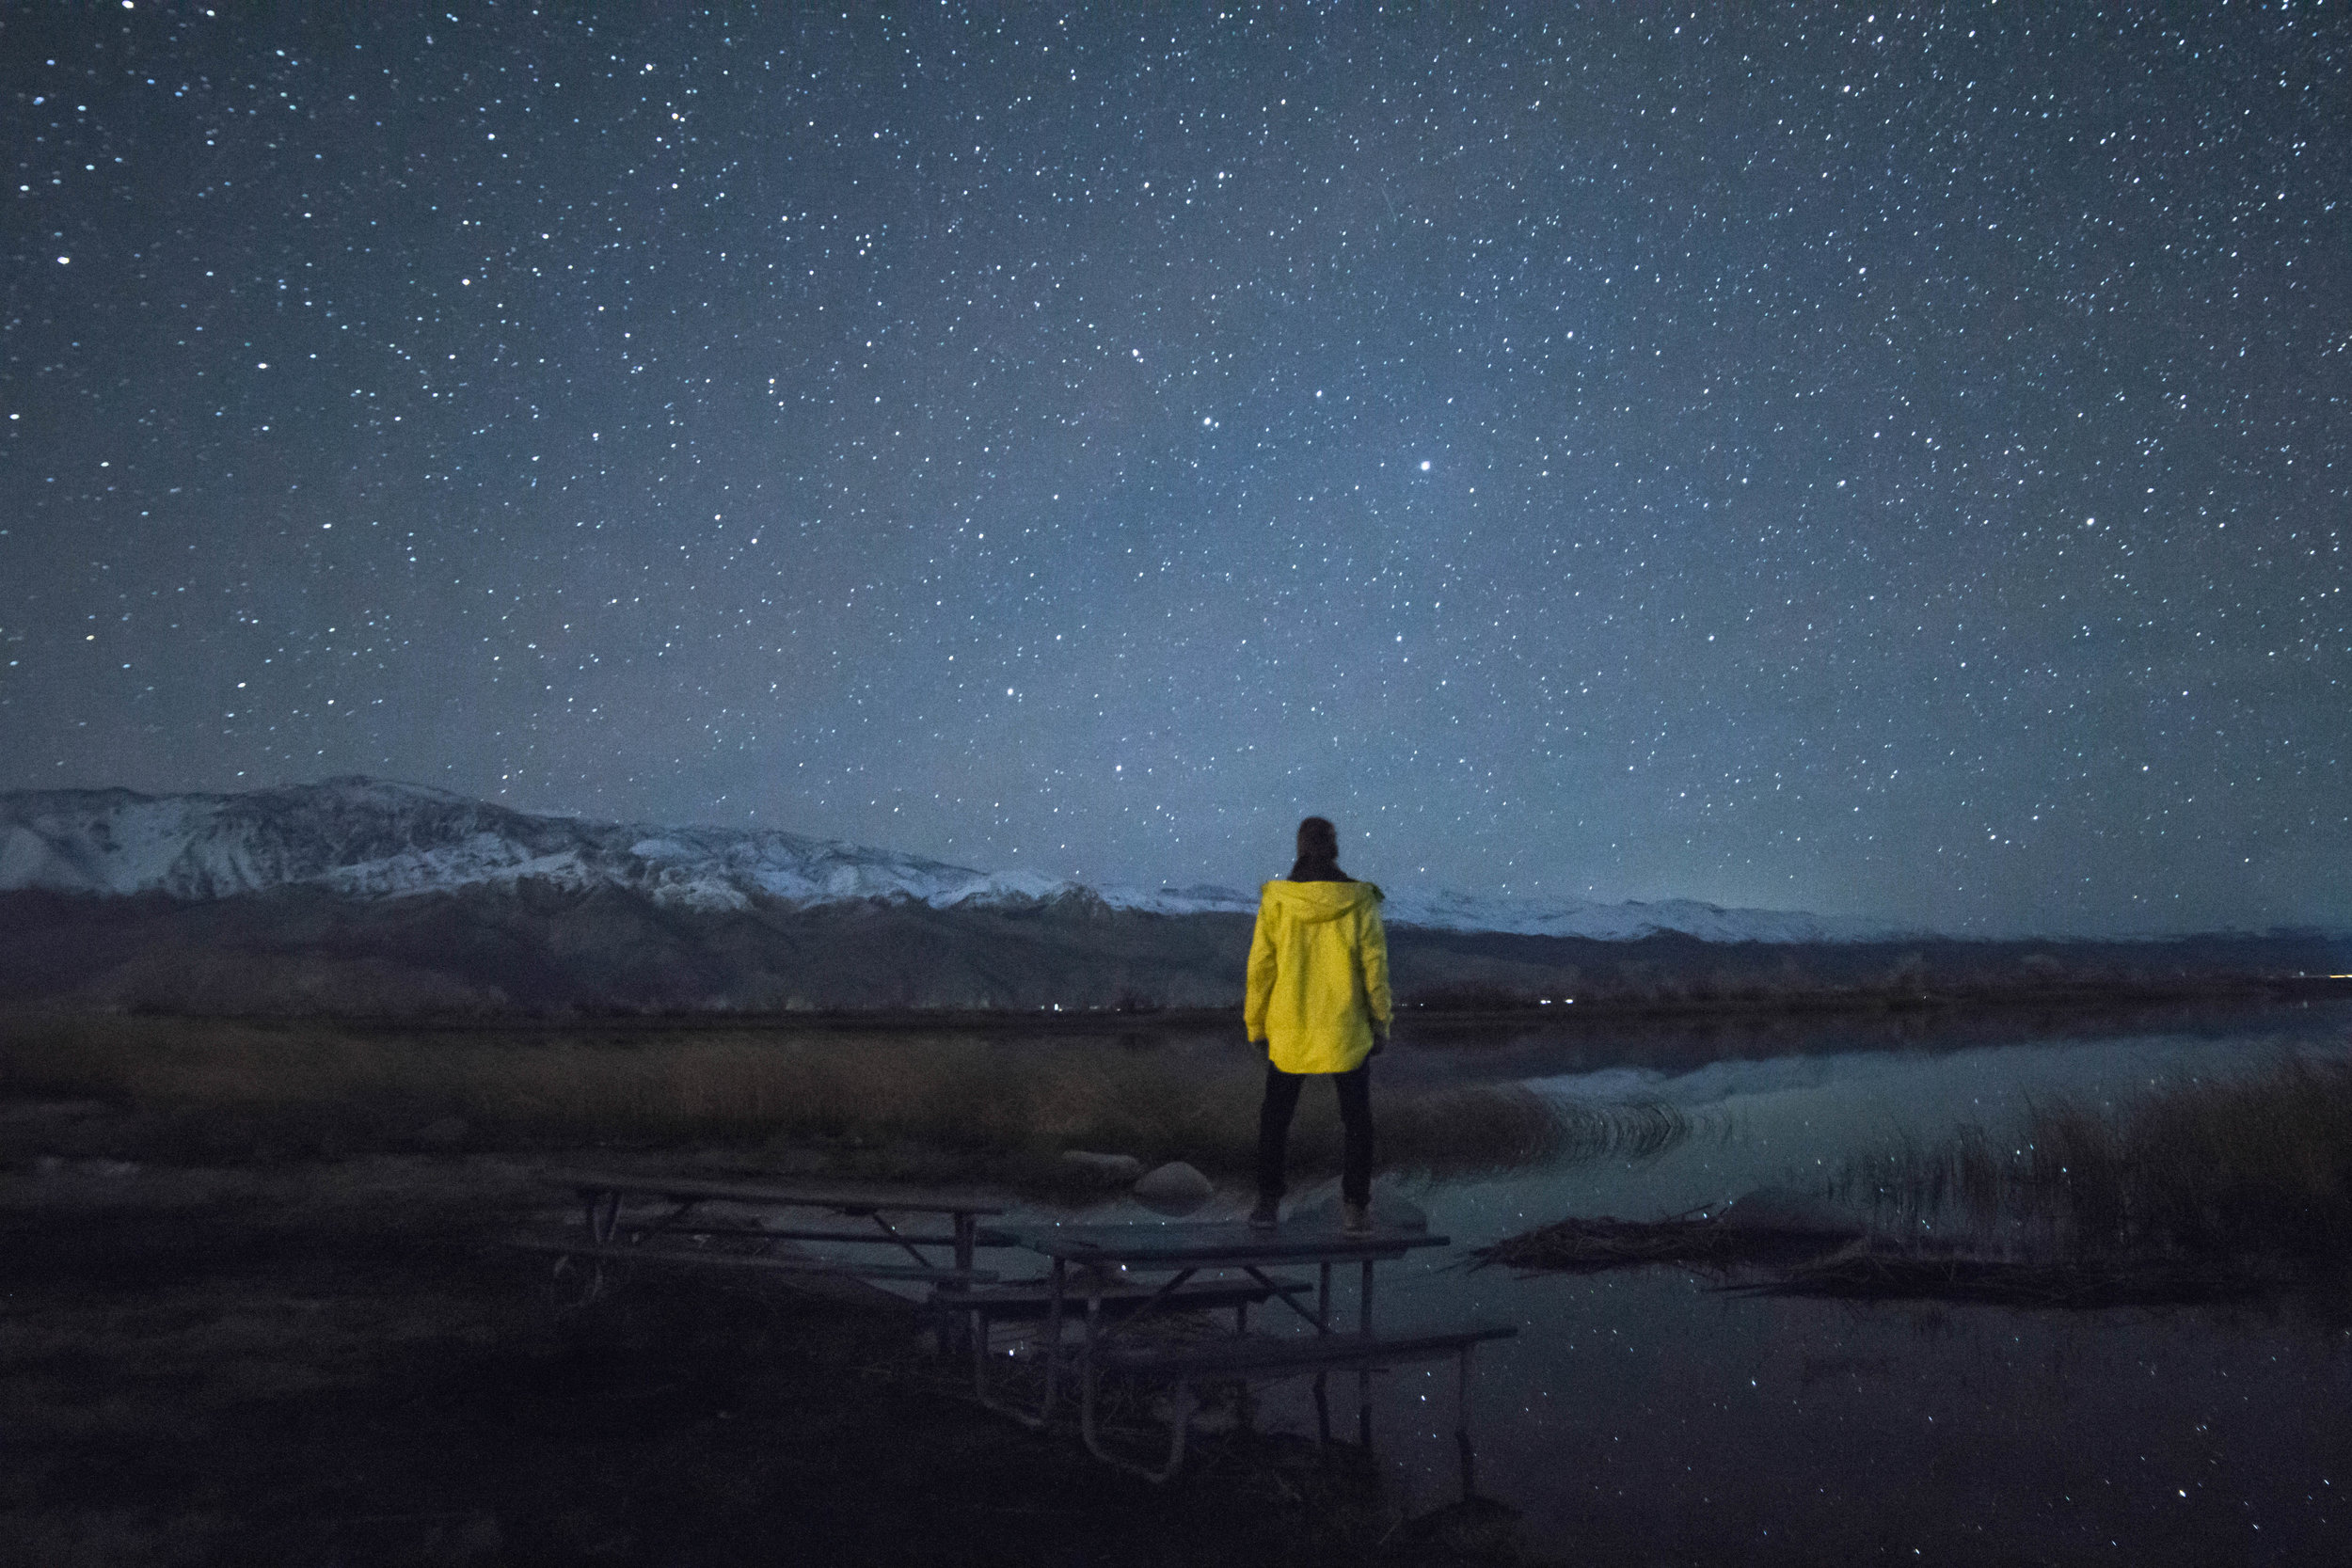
362,837
359,896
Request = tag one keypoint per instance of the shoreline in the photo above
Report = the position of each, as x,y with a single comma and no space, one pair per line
1564,1014
333,1361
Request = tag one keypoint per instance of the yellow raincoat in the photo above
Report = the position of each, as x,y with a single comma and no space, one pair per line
1318,975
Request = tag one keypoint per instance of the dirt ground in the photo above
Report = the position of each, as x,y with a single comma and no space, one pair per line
331,1362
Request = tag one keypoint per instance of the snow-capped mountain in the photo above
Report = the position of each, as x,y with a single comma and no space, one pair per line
368,838
364,837
1443,911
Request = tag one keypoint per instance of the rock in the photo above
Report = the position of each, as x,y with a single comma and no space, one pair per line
1785,1212
448,1133
1394,1214
1118,1167
1174,1188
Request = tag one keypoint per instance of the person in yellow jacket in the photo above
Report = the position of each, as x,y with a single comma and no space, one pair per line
1318,1000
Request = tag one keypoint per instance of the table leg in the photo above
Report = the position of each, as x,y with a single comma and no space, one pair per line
1461,1425
603,1220
1053,1336
1086,1345
1323,1302
967,1233
968,1229
1363,1376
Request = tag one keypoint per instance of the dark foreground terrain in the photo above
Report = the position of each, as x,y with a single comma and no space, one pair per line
329,1363
537,949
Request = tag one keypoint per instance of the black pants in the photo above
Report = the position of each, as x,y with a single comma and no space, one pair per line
1274,1129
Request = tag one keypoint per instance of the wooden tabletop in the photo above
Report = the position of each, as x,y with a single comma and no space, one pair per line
841,1199
1199,1246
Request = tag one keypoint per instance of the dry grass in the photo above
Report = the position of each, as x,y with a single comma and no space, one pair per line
2253,1166
2201,1193
916,1104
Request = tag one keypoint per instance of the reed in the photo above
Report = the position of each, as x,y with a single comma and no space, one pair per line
2238,1167
930,1104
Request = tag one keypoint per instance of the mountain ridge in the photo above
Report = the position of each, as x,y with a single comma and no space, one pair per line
362,837
361,898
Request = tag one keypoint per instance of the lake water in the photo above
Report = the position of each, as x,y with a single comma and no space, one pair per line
1643,1415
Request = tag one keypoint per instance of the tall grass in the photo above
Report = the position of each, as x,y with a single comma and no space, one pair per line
2261,1164
995,1108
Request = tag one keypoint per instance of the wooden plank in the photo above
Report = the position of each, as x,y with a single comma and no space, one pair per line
1265,1356
690,1226
1169,1259
668,1257
1027,1298
848,1200
1223,1245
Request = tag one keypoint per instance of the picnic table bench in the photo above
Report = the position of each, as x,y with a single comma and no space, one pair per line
1033,1298
1261,1355
983,1305
1097,1263
1119,1275
611,1242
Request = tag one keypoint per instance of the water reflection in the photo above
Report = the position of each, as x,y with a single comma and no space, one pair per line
1524,1045
1644,1416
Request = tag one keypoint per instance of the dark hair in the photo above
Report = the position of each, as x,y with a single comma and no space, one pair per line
1318,852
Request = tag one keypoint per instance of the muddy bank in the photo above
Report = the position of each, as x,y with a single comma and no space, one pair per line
328,1362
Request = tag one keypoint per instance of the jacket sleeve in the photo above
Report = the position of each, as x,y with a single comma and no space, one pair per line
1373,952
1259,993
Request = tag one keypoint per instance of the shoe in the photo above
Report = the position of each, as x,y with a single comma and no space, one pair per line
1266,1215
1355,1219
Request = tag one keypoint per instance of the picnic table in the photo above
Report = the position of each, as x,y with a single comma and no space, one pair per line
613,1240
1119,1276
1100,1264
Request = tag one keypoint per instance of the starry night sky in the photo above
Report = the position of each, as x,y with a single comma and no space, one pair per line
1875,461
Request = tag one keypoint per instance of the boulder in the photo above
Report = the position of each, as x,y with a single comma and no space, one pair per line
1174,1188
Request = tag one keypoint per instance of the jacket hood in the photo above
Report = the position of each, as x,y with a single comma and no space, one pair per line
1319,901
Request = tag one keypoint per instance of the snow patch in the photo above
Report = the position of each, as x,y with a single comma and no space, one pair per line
366,838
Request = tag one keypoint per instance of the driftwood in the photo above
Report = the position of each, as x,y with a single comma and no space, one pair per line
1807,1264
1590,1245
